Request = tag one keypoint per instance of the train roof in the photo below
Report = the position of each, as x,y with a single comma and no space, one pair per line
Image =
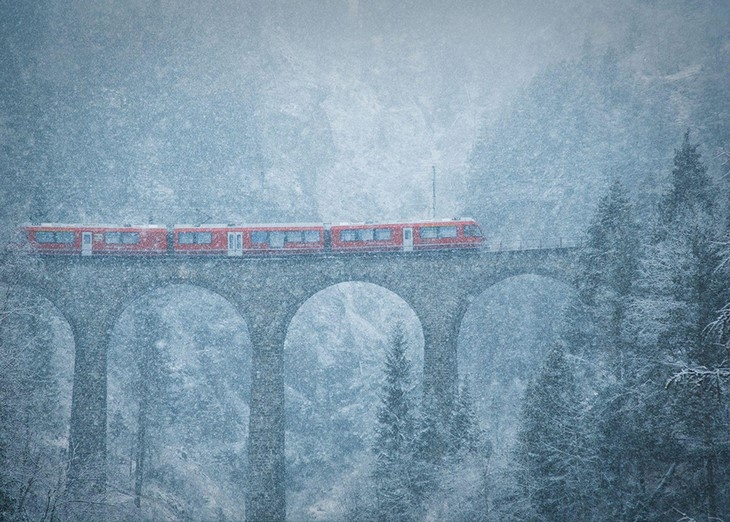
411,222
90,225
249,225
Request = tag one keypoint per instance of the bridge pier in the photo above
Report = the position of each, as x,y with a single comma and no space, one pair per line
440,373
87,437
266,495
440,319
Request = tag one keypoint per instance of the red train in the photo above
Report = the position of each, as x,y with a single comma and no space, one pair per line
250,240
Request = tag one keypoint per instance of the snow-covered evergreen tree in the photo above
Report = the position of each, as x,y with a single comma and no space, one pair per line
456,484
605,277
550,443
681,292
32,464
595,330
431,445
394,436
466,434
690,196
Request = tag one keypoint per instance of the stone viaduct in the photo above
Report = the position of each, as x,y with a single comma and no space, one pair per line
91,293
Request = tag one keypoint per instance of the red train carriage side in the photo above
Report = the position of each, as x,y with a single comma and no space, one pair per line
290,239
366,237
406,237
87,240
240,240
202,239
454,234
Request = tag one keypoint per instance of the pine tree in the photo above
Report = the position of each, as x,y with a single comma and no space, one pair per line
685,258
612,243
691,190
550,444
430,446
394,436
29,408
595,329
681,292
466,434
453,486
608,269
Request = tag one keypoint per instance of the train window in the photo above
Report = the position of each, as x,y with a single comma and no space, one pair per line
447,231
54,237
294,236
438,232
186,238
276,239
113,238
45,237
64,237
311,236
429,232
472,231
203,238
259,237
130,238
383,234
348,235
366,234
190,238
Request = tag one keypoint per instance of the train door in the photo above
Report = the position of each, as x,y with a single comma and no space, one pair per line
407,239
235,243
86,243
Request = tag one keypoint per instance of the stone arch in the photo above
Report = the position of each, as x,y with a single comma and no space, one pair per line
553,265
510,303
37,360
209,385
318,289
556,265
137,292
323,284
40,289
332,380
37,290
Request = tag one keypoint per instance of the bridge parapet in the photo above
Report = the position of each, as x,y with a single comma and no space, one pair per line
500,245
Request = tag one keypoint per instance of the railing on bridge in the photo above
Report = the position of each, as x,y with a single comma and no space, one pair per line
500,245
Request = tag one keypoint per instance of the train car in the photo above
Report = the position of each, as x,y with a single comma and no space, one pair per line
245,240
454,234
366,237
88,240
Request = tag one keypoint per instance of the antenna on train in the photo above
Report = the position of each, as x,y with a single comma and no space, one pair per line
433,195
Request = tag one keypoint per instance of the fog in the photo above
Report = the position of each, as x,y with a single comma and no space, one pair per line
524,115
334,111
